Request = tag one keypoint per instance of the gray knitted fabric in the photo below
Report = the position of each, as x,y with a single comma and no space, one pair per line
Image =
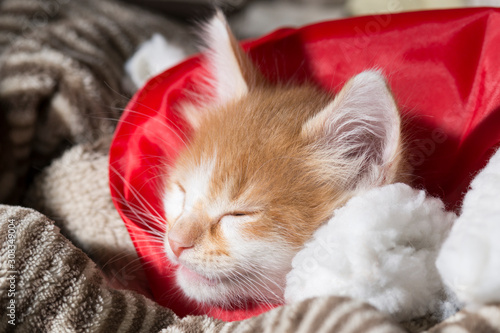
62,80
58,289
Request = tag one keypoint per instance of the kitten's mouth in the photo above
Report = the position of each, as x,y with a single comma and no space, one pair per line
194,277
224,290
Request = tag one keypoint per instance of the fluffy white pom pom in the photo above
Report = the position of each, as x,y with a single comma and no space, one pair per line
153,57
469,261
381,247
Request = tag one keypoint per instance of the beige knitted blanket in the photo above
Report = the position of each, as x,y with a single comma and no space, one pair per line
62,88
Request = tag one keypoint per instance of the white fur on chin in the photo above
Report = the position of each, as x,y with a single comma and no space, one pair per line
255,272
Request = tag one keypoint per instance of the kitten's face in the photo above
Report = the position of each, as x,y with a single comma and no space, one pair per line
265,167
244,197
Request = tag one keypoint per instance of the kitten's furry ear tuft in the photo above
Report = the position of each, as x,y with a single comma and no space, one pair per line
361,129
233,71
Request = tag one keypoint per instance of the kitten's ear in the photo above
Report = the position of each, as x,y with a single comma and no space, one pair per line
232,70
359,131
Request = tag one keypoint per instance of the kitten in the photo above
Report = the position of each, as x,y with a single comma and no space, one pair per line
266,165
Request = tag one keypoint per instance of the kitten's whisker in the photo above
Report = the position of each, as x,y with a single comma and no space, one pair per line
135,194
255,283
163,141
257,270
140,199
166,122
140,221
130,207
135,261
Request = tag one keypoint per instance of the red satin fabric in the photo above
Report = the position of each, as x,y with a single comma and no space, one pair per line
442,66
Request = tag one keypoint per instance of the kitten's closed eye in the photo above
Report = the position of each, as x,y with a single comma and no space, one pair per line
244,213
240,214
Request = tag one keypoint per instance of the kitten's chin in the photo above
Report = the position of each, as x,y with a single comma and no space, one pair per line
191,277
203,289
221,292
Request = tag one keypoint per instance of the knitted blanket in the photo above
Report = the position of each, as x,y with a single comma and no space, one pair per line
62,87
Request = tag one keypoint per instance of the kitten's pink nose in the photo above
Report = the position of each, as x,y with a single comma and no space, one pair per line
177,247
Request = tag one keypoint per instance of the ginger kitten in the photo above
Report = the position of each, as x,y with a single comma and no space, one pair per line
265,167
